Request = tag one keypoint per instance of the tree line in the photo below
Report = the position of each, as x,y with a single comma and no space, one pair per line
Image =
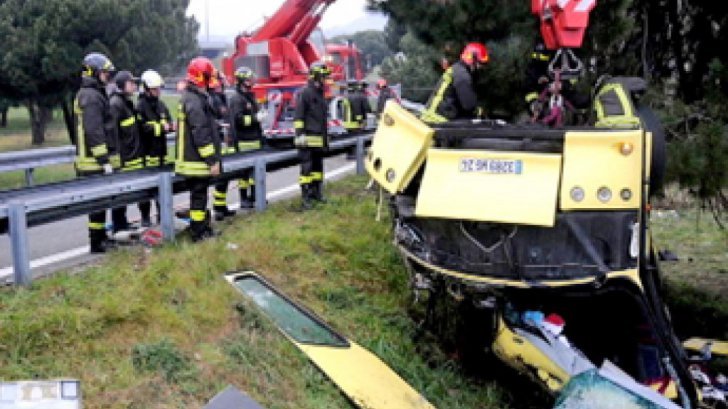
678,46
44,42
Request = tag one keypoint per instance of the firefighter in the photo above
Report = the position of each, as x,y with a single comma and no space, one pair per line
219,103
96,149
126,130
385,94
454,96
198,147
363,100
352,108
247,133
537,76
310,123
154,124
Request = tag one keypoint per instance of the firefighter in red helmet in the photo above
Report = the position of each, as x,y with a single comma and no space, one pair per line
198,145
454,96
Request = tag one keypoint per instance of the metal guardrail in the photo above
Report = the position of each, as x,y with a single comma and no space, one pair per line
30,159
23,208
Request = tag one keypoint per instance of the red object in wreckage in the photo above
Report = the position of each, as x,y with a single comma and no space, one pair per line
563,22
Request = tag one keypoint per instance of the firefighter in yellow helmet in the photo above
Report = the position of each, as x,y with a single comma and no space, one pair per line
96,148
454,96
247,134
310,123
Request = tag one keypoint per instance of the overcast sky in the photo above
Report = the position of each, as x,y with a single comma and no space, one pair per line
229,17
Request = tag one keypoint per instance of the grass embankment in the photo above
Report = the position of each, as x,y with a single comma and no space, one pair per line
164,330
16,136
697,284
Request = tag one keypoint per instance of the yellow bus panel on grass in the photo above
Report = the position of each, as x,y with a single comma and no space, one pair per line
364,378
361,375
490,186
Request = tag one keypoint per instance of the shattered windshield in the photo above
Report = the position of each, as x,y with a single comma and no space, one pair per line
291,319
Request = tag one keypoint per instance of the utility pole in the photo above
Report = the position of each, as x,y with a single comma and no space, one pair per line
207,19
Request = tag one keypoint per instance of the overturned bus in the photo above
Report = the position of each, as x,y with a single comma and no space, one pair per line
545,229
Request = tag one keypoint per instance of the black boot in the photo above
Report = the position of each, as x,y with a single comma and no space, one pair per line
222,212
197,230
318,191
145,209
306,197
209,232
246,202
99,242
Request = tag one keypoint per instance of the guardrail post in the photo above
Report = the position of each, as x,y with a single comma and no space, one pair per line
260,189
19,243
166,205
29,177
360,170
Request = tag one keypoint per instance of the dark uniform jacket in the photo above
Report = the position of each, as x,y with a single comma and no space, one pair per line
246,130
127,131
95,140
362,105
311,116
198,146
218,102
153,115
454,96
384,95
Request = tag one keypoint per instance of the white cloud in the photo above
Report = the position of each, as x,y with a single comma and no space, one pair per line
229,17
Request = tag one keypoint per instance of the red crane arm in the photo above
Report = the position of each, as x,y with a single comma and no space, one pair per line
289,17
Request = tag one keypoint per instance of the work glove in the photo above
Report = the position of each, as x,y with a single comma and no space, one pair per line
300,141
108,169
261,116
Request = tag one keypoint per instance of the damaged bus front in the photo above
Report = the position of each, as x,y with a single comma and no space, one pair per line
545,229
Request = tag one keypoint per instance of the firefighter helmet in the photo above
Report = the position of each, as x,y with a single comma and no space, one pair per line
200,72
121,78
382,83
243,74
94,63
319,70
474,52
152,79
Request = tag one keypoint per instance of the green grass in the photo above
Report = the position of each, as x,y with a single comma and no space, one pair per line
697,284
164,330
16,136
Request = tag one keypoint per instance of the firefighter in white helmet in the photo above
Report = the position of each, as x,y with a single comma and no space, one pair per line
155,122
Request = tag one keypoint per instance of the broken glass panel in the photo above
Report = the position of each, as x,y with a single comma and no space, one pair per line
293,320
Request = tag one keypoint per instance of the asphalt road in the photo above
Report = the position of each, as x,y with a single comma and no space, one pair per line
64,244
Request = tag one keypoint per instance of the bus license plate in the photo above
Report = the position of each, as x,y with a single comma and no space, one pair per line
494,166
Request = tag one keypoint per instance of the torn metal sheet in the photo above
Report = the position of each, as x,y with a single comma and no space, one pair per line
51,394
362,376
232,398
